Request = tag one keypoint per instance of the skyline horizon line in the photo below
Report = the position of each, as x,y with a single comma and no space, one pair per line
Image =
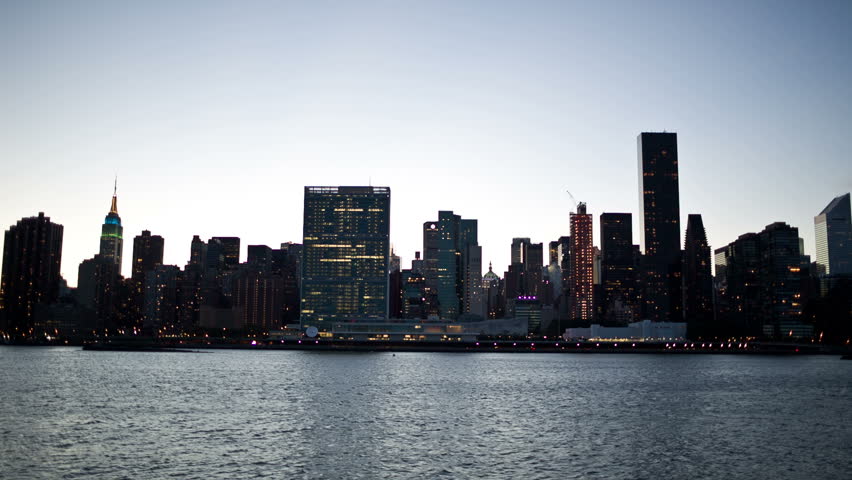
411,254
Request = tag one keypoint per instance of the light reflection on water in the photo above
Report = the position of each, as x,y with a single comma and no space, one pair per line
253,414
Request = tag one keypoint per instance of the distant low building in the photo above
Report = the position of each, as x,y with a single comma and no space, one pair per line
644,331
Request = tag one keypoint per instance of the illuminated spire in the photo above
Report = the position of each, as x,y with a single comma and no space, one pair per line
114,207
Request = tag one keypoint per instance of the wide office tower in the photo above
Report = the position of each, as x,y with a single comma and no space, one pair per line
345,255
834,237
582,265
659,226
618,275
32,255
112,240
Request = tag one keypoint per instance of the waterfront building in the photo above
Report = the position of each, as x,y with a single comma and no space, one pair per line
582,265
618,273
642,331
345,255
764,284
833,229
112,239
697,279
529,308
659,225
32,256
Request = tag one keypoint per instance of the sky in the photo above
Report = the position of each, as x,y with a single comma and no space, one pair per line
216,115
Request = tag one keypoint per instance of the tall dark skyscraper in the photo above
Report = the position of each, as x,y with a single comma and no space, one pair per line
345,255
697,278
112,240
659,226
618,275
582,265
834,237
32,256
147,254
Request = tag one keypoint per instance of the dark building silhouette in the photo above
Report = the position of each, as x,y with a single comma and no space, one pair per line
147,254
161,300
198,251
582,266
32,256
345,255
618,272
833,229
491,286
659,226
112,240
230,249
764,284
98,281
697,279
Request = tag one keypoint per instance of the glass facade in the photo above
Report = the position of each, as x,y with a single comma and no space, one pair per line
833,234
345,255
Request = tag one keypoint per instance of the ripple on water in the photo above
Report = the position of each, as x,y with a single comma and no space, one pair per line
243,414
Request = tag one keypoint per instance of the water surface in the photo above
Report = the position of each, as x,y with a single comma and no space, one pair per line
67,413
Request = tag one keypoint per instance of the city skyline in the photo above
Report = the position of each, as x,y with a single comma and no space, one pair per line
485,109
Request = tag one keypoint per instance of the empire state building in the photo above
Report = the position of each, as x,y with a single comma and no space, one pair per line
111,234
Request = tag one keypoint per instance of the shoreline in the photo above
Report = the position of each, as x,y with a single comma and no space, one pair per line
483,346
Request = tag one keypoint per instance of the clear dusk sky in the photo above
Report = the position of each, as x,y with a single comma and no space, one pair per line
215,115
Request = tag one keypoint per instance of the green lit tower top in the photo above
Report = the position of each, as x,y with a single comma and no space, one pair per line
111,233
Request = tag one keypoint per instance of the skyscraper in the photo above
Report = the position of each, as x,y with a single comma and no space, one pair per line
457,260
32,256
659,225
112,240
582,265
834,237
345,255
697,279
618,275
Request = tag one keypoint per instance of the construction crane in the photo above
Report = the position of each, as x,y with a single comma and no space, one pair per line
573,200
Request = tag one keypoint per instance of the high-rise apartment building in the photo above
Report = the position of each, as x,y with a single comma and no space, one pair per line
345,255
582,265
32,256
659,226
